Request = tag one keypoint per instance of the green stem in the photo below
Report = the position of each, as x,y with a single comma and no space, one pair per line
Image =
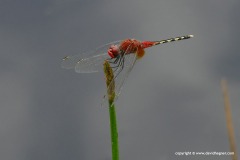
114,132
113,120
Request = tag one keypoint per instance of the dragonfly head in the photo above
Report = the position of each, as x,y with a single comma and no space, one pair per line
113,51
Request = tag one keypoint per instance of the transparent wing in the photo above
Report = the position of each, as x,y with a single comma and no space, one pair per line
92,64
90,61
121,74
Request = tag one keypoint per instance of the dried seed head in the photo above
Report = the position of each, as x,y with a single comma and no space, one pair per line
109,81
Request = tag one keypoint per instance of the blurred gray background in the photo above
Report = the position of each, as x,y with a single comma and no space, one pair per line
171,101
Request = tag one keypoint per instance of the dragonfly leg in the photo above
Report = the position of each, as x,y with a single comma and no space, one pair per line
118,61
110,60
114,60
121,64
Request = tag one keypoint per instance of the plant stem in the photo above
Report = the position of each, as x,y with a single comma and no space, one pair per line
113,119
114,132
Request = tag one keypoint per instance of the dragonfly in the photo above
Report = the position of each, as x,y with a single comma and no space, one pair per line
121,55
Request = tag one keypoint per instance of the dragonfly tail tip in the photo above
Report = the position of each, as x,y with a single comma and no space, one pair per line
191,35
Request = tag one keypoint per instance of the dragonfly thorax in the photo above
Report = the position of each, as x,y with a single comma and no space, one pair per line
130,45
126,47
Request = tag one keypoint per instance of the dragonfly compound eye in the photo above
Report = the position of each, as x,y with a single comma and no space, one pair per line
113,51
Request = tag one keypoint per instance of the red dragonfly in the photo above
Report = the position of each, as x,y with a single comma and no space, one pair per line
122,56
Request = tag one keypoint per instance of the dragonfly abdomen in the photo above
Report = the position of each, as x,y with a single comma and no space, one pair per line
173,39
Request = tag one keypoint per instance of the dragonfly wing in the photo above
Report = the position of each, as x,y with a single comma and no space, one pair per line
77,61
90,61
92,64
121,74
